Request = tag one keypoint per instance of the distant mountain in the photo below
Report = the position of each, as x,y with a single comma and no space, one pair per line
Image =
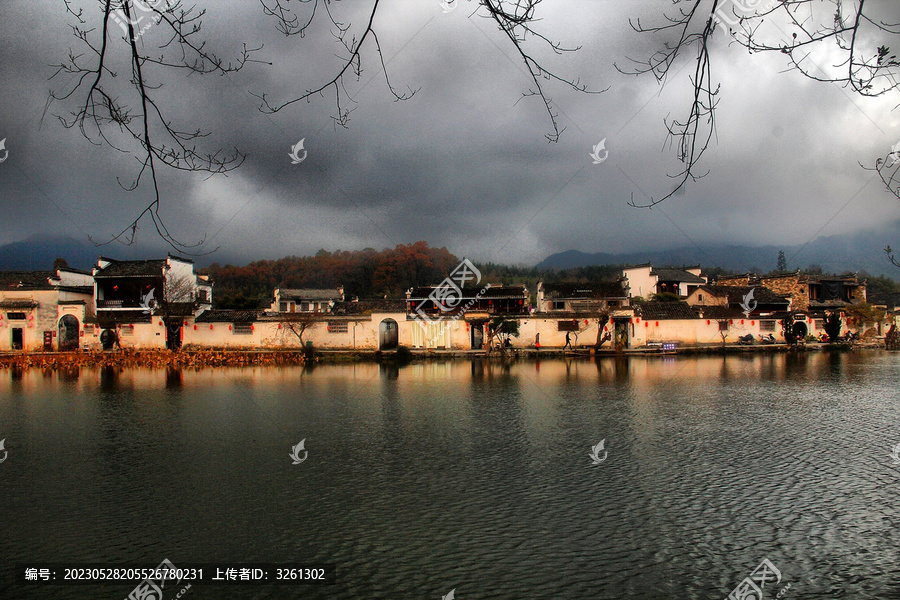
863,251
38,253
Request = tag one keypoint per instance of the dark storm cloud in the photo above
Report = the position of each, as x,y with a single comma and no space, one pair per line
464,162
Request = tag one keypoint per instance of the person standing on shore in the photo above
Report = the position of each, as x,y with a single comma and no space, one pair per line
568,341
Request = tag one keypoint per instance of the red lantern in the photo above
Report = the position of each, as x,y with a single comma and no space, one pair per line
229,328
646,324
731,321
742,321
752,322
210,326
707,322
195,328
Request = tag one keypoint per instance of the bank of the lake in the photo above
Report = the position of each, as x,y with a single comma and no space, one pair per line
471,475
230,357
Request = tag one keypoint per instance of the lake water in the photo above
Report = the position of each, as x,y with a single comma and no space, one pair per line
466,476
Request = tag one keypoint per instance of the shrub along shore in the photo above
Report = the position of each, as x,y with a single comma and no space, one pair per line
153,359
202,358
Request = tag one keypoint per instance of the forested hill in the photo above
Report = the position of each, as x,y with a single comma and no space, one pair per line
369,274
365,273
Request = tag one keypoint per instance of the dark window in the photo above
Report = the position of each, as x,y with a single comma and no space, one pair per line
282,306
242,328
723,325
338,327
15,316
559,305
567,325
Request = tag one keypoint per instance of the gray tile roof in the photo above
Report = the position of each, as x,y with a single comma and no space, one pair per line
133,268
494,292
228,316
309,294
26,280
605,289
659,311
736,293
676,275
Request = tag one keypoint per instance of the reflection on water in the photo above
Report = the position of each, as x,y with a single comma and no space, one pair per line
471,475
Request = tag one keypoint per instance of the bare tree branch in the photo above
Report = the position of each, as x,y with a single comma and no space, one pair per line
125,114
808,33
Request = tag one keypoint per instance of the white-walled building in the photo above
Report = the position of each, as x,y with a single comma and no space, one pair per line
645,280
45,310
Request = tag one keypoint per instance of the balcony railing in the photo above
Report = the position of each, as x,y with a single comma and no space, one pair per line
109,304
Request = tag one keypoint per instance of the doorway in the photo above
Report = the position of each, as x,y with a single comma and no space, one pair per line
388,335
68,333
17,338
477,336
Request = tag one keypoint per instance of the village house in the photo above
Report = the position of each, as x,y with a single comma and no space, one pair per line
306,300
749,300
812,296
147,303
643,281
807,292
45,310
581,297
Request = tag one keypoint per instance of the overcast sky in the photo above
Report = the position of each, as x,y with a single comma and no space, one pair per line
464,163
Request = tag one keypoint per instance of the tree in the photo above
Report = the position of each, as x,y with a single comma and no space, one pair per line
296,324
502,329
833,326
834,41
860,315
602,336
790,332
781,266
665,297
179,299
